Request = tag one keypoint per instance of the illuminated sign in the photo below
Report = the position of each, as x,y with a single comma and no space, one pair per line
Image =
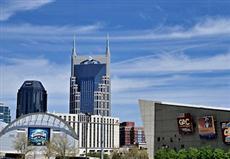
38,136
185,124
206,127
225,126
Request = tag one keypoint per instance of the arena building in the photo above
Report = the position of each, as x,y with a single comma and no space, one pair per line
179,126
39,128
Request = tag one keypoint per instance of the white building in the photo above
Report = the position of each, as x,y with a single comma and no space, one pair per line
96,124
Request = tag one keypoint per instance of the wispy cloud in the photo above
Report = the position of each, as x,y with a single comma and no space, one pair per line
172,63
11,7
204,27
172,77
46,30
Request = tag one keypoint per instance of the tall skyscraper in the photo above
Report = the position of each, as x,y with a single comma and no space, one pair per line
4,113
31,98
90,83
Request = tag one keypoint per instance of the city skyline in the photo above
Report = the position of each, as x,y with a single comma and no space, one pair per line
177,52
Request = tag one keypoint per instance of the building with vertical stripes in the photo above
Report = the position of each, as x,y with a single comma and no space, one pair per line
102,131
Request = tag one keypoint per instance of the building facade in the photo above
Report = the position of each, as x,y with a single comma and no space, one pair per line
131,135
139,136
90,83
31,98
179,126
5,113
102,131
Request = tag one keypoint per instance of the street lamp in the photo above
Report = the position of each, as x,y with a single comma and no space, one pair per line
88,115
102,137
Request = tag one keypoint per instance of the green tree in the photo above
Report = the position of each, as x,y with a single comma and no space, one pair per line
182,154
166,154
206,153
219,154
193,153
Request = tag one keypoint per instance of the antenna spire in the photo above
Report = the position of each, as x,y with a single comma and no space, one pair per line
107,45
74,45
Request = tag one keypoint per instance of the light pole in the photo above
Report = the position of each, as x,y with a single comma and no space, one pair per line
86,132
102,137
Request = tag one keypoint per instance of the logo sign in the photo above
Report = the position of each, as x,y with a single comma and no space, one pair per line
185,124
206,127
38,136
225,126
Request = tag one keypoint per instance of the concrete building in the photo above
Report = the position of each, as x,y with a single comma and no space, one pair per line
90,83
94,125
131,135
31,98
179,126
4,113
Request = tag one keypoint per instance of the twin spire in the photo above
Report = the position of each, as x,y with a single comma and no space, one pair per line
74,51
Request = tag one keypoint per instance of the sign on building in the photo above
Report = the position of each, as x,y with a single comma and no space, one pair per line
38,136
206,127
225,126
185,124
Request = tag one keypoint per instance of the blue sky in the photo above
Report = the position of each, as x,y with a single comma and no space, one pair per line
175,51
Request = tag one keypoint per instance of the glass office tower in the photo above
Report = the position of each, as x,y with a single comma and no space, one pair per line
4,113
31,98
90,84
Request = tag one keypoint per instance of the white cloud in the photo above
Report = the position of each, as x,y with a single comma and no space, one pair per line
54,77
172,63
203,28
9,8
42,31
172,78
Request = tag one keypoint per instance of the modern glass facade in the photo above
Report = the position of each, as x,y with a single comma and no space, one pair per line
31,98
4,113
89,76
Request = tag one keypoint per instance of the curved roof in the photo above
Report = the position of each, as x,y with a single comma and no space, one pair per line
32,84
90,61
40,120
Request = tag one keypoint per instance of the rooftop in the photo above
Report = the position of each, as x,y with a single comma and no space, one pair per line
191,105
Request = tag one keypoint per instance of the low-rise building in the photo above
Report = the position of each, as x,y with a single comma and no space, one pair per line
131,135
94,140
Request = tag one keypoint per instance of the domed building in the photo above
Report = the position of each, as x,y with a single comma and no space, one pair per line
38,130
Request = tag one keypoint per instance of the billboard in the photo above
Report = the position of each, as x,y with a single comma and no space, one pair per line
206,127
38,136
225,127
185,124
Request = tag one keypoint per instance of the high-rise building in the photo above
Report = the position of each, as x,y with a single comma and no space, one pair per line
90,83
4,113
31,98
